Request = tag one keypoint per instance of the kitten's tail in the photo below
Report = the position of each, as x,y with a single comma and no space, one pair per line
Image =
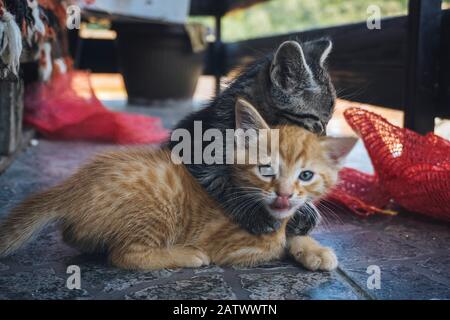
26,220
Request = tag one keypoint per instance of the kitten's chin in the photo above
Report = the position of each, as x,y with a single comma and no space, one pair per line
281,214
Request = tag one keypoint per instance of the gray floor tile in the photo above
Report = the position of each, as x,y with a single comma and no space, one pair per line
411,251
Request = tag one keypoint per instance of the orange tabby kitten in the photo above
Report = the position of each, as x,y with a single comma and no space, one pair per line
148,213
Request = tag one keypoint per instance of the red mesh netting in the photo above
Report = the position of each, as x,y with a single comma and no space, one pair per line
411,169
67,108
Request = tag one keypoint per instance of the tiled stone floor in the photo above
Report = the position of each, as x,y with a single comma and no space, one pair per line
412,252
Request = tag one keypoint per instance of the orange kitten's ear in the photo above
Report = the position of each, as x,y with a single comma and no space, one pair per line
338,148
247,117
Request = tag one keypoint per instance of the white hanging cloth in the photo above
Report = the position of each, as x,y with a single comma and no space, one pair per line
10,42
38,27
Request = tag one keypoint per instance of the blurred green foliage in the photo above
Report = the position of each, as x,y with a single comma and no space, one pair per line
281,16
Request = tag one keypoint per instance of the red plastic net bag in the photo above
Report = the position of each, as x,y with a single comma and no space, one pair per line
410,169
67,108
361,193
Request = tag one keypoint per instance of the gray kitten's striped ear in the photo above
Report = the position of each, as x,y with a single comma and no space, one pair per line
289,69
247,117
320,49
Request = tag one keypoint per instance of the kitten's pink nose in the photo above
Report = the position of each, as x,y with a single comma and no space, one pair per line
284,194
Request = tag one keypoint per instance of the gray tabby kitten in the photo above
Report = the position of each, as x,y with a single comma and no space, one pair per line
291,86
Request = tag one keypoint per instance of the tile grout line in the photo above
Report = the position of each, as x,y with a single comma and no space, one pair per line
231,277
354,285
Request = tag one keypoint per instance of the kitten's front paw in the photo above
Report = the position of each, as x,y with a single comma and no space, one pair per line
311,254
321,258
303,222
194,258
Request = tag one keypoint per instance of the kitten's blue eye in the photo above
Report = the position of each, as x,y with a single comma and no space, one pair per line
266,171
306,175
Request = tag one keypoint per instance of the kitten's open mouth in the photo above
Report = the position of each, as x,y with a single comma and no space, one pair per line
281,208
281,203
276,207
281,213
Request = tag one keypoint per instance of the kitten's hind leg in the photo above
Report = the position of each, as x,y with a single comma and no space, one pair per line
311,254
143,257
